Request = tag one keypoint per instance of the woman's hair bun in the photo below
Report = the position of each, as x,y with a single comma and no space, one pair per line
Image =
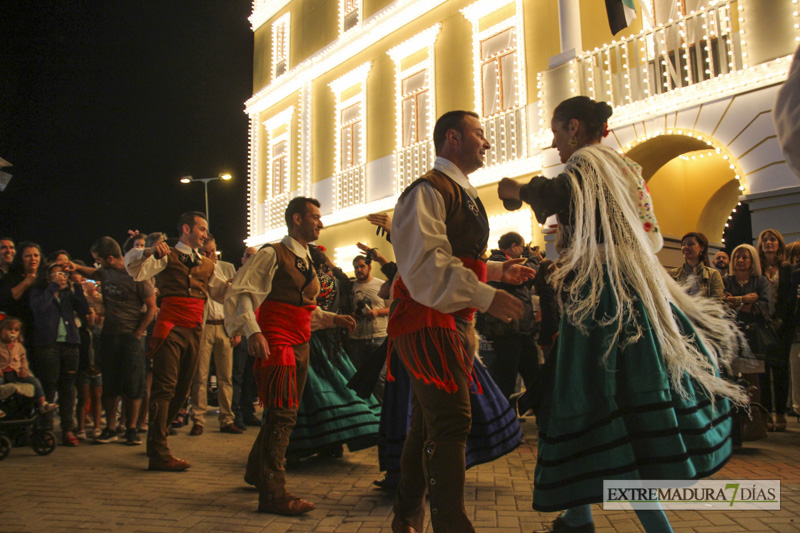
603,111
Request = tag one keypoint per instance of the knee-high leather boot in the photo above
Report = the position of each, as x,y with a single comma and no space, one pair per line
445,473
273,496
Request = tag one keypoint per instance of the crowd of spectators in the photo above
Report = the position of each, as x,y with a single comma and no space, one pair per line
83,330
760,286
79,333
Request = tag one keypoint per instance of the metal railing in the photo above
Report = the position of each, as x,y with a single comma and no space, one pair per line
698,47
412,162
506,133
349,184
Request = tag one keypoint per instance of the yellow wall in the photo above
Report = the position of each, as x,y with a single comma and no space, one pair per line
541,42
682,190
315,24
262,45
455,85
370,7
381,115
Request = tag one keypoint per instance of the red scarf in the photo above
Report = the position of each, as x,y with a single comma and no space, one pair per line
175,311
412,326
284,326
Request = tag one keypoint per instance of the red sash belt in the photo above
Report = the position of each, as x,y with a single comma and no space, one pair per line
284,326
176,311
413,328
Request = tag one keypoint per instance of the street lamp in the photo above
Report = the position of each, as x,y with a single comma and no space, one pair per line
189,179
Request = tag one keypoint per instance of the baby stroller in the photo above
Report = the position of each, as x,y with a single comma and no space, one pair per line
22,423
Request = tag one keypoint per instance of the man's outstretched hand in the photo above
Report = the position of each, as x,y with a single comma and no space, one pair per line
515,272
345,321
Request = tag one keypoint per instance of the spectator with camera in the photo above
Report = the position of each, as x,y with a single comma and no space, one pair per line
371,312
54,302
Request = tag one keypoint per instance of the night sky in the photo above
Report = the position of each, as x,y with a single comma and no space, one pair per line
104,105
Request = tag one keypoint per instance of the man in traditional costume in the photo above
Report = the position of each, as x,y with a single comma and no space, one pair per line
280,283
442,228
185,279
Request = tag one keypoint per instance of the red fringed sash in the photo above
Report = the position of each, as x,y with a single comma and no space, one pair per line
284,327
413,327
175,311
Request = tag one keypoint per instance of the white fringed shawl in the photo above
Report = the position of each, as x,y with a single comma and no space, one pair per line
603,179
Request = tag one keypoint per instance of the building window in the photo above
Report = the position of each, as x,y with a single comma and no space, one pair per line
350,136
349,14
415,95
279,166
280,46
499,72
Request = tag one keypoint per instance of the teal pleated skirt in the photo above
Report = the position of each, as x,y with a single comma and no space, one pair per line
620,419
330,413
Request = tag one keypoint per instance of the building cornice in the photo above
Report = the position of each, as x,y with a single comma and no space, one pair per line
378,26
263,10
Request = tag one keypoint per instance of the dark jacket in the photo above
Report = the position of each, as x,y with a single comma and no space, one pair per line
490,326
19,308
48,311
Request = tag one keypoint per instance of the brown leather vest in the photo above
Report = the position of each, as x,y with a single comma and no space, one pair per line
177,279
294,283
466,220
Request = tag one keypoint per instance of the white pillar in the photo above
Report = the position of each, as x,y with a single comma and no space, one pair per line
569,21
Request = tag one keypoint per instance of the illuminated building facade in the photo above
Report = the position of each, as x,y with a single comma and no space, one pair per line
346,93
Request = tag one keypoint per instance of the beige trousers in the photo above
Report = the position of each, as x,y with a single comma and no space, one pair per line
214,341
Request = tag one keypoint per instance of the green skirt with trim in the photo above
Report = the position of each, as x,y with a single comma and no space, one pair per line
620,419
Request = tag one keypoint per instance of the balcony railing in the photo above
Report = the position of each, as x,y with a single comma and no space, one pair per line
698,47
349,184
271,212
506,133
412,162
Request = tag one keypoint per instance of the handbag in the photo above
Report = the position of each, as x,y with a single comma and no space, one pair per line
754,426
762,337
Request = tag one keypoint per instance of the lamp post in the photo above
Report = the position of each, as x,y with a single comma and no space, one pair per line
189,179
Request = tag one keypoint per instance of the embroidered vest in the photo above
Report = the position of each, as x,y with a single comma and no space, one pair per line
294,283
466,220
183,278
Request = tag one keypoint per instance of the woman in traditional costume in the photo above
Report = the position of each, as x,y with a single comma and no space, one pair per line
634,387
330,414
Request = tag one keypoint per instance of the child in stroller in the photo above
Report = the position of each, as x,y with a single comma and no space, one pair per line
22,400
14,363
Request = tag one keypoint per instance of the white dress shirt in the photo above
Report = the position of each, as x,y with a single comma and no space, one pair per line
433,275
253,283
143,268
224,271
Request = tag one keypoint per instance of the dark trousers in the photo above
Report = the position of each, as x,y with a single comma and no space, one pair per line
244,384
433,458
55,365
265,462
174,365
362,353
514,354
775,376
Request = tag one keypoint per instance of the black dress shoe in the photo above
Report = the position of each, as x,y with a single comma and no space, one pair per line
239,424
559,526
251,420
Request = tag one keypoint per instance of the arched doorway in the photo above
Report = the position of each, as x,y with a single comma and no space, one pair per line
694,186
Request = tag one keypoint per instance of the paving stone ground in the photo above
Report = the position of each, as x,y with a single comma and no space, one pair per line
107,488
